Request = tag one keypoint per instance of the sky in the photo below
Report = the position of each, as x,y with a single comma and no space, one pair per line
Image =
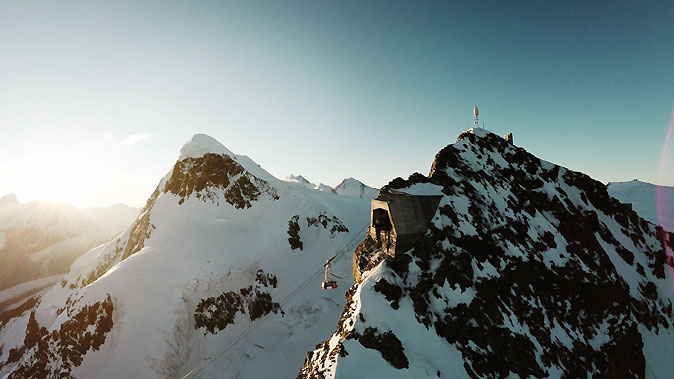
96,98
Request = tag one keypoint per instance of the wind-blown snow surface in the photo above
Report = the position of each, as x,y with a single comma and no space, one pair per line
644,200
206,278
527,270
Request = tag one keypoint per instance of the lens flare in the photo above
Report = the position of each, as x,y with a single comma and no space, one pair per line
661,199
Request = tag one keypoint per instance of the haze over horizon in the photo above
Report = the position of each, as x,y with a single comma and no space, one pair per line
98,98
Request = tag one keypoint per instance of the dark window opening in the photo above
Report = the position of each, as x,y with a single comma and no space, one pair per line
381,220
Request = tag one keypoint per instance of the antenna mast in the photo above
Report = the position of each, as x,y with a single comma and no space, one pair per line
476,112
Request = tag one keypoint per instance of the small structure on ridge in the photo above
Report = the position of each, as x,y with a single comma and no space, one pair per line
398,219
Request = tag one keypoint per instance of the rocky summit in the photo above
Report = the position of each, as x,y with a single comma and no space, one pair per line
526,269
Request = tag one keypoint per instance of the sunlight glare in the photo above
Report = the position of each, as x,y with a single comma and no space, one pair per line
57,178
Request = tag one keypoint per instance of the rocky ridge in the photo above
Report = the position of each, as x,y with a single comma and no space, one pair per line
526,269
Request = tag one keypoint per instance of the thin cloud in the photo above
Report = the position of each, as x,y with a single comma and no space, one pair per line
108,137
135,138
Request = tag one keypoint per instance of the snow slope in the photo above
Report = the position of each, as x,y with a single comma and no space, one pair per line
644,200
527,269
219,276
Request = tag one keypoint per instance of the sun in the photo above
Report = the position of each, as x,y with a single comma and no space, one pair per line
53,179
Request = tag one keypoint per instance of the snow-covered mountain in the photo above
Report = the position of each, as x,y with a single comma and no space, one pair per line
324,187
653,203
39,238
525,269
219,276
348,187
299,179
355,188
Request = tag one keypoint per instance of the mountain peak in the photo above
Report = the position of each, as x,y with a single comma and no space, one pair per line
479,132
297,178
510,235
324,188
9,199
355,188
201,144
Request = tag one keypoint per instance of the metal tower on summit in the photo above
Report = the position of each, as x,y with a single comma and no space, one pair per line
476,112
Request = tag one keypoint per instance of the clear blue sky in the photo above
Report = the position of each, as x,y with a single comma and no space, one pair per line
96,98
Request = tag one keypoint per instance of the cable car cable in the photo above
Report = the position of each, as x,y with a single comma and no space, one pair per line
253,325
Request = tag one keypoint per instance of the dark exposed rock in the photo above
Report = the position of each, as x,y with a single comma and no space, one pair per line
392,292
54,354
215,313
294,233
365,257
18,311
399,183
266,280
333,224
336,225
387,344
210,174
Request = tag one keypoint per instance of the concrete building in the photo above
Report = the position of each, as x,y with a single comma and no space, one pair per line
398,219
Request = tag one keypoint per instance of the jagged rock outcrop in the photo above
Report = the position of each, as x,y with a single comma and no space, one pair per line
211,172
53,354
527,269
215,313
332,224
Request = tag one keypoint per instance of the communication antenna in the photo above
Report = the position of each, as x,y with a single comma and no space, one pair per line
476,112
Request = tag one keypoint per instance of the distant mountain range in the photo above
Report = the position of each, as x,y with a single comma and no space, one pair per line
348,187
39,238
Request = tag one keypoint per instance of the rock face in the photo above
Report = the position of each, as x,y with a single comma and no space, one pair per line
211,173
527,269
86,330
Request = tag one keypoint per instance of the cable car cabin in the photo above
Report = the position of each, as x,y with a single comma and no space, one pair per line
398,220
329,285
329,282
